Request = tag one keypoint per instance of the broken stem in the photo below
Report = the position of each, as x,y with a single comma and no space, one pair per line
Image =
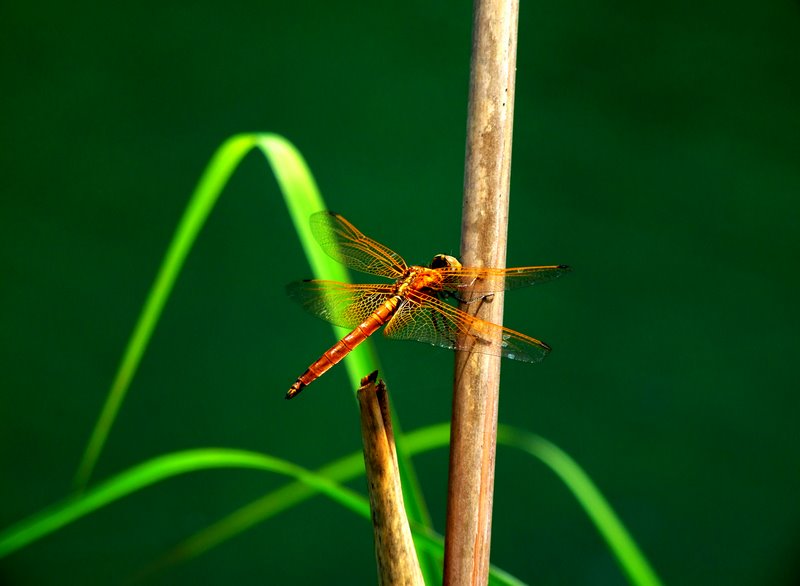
394,548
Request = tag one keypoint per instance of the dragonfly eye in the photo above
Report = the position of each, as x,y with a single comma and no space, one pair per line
445,261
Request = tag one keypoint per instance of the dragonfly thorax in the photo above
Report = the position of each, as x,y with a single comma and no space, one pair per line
418,278
429,278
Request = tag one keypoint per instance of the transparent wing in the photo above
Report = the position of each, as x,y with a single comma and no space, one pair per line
427,319
344,243
341,304
482,281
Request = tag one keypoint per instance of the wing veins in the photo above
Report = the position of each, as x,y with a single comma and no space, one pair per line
346,244
416,320
342,304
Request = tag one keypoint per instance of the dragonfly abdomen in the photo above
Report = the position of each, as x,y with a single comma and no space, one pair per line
343,347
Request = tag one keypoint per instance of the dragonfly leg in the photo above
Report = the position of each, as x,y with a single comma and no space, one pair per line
488,297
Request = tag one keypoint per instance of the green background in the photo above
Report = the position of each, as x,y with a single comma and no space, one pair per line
656,150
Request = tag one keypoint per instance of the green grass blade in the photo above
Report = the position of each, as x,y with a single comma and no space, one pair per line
159,469
341,470
302,198
202,201
163,467
273,503
622,545
327,481
266,507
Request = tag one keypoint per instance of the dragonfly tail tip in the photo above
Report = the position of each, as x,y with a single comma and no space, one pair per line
294,390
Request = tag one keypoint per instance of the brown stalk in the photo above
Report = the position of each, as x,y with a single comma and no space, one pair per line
394,548
483,243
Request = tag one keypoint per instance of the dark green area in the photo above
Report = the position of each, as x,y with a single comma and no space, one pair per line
657,151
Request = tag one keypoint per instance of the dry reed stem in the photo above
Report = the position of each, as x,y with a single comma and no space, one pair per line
394,548
483,243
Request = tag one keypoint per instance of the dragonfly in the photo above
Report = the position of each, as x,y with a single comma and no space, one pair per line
415,306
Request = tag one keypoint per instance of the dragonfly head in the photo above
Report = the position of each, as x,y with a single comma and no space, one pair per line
445,261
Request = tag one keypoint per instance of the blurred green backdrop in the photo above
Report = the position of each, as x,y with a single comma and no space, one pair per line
656,150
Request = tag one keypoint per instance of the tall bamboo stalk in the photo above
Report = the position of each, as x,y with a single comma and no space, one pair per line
483,243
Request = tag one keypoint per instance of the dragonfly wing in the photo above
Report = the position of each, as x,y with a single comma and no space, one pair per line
425,318
346,244
341,304
473,282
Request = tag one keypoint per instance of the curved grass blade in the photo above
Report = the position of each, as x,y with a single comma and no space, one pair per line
161,468
302,198
326,481
271,504
177,463
341,470
622,546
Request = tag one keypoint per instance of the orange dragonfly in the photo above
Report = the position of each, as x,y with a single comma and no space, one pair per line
413,307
